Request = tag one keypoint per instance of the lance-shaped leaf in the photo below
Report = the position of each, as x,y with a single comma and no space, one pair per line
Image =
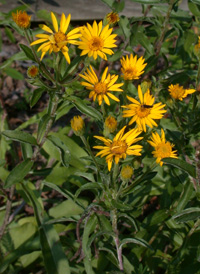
120,205
55,259
190,169
85,109
88,186
43,123
189,214
28,52
63,149
18,173
20,136
135,241
37,93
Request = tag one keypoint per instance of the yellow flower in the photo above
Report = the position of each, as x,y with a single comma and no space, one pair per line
32,71
120,147
126,172
162,148
22,19
178,92
112,17
101,89
110,124
78,125
144,112
131,67
97,40
57,40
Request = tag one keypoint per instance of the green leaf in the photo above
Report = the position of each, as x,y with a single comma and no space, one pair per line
33,244
67,194
125,26
18,173
131,219
109,3
118,6
27,151
86,175
13,73
85,109
135,241
10,35
55,259
72,66
89,227
28,52
20,136
42,126
189,214
194,8
186,195
190,169
63,149
37,93
16,57
88,186
149,2
120,205
2,163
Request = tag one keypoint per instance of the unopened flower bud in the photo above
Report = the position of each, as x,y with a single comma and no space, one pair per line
32,71
110,125
112,18
126,173
78,125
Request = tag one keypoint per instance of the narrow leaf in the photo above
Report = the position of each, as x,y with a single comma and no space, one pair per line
18,173
189,214
37,93
135,241
42,126
28,52
63,149
190,169
27,151
85,109
88,186
20,136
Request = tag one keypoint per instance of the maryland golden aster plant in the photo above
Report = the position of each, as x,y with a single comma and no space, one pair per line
102,175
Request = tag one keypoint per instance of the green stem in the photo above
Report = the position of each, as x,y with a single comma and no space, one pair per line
158,44
103,109
115,175
87,146
125,87
116,238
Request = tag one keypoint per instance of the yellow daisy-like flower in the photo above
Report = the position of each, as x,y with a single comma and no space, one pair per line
101,89
144,112
78,125
120,147
57,40
163,148
97,41
22,19
131,67
178,92
112,17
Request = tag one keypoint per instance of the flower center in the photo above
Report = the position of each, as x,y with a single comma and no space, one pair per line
118,147
164,150
142,111
130,73
177,92
60,37
100,88
96,43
